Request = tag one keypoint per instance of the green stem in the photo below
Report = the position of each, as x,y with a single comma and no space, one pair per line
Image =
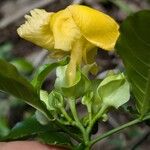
97,116
109,133
42,108
89,108
74,136
63,122
77,121
66,115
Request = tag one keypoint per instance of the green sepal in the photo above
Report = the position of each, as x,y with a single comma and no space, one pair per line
87,98
95,101
77,89
114,91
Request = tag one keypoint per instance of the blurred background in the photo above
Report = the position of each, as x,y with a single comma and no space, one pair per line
27,57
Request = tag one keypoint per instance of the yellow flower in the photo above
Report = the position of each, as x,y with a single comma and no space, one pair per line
76,30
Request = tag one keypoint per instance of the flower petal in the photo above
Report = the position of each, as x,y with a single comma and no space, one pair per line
37,29
96,27
75,61
64,30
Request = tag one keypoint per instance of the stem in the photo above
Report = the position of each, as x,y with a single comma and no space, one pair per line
77,121
66,115
62,122
97,116
89,108
109,133
74,136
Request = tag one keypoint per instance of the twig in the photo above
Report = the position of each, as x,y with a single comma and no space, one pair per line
116,130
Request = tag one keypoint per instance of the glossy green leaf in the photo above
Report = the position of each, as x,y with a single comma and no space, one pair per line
80,146
28,128
48,134
55,138
114,91
43,72
13,83
133,47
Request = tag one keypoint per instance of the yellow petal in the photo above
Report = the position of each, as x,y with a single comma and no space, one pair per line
64,30
96,27
75,60
37,29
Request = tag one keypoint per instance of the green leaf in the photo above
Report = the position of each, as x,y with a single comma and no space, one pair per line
13,83
77,89
55,138
28,128
43,72
80,146
114,90
31,128
133,47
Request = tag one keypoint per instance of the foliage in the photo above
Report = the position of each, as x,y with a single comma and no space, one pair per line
133,47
